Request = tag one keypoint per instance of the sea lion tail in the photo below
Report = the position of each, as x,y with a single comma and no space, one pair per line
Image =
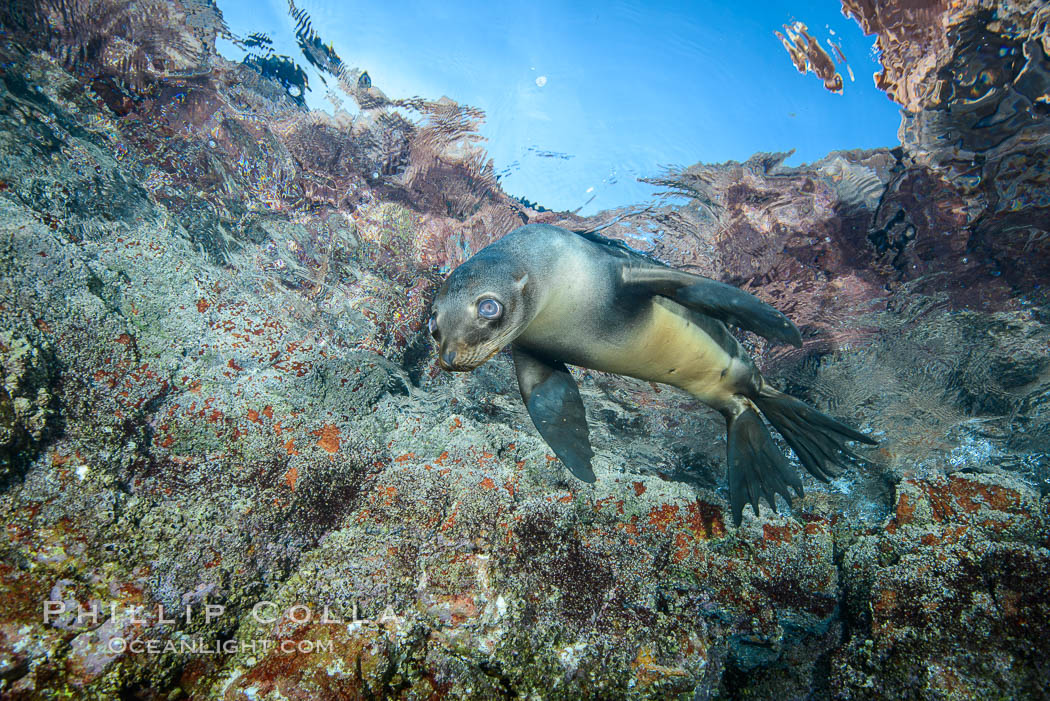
818,440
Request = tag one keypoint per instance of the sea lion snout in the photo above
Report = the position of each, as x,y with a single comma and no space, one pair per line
464,358
447,361
446,356
458,354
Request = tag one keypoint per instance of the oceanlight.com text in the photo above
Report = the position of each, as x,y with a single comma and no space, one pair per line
138,646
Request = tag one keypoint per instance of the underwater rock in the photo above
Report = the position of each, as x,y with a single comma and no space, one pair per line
942,597
516,588
25,400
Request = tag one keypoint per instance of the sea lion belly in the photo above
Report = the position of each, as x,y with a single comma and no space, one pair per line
663,345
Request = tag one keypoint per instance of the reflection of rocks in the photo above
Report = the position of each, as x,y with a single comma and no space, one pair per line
798,237
916,42
948,213
973,81
808,55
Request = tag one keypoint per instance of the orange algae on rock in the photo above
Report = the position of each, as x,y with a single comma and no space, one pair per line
328,437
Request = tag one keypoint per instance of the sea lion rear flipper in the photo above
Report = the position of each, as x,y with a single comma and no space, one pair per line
718,300
553,400
818,440
757,468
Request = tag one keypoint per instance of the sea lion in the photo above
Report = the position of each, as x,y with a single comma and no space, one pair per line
560,297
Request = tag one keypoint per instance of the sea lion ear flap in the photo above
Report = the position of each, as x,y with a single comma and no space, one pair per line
520,280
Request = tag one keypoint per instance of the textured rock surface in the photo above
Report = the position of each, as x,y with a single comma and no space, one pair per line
948,588
216,393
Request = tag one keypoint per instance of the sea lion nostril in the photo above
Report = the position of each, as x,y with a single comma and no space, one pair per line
449,357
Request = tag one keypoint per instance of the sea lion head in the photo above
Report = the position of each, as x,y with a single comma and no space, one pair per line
481,307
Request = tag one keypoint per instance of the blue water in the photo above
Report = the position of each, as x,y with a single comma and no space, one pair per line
582,99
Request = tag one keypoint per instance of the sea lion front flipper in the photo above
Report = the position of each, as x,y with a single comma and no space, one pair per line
716,299
553,400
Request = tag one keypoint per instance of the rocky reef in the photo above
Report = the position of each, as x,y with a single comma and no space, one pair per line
230,468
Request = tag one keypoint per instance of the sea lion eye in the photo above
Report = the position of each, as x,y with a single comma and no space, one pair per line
432,327
489,309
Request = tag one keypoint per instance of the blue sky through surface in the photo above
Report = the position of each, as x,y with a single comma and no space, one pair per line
583,98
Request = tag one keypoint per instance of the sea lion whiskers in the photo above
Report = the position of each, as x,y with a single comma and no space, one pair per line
471,362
